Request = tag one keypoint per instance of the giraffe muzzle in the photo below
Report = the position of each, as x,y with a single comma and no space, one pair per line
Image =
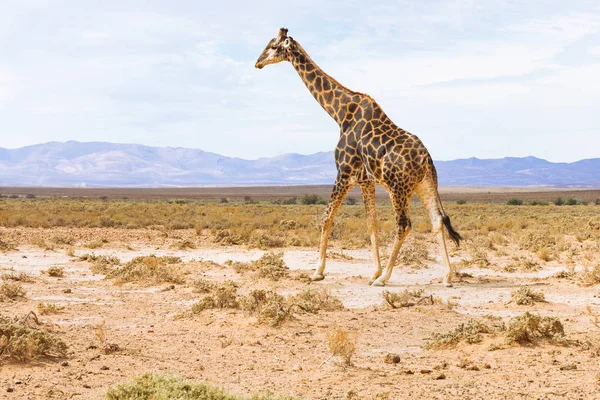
259,65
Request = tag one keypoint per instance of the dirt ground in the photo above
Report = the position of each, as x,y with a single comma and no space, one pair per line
231,349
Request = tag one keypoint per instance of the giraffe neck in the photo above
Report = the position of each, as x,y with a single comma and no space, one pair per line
329,93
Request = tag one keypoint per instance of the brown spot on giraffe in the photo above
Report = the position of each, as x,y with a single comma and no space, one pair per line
371,150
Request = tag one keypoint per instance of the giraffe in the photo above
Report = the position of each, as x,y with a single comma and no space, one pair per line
371,150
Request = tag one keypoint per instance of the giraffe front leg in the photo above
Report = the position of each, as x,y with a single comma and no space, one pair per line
340,189
368,193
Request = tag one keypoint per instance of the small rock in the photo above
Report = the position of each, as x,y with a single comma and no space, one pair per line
408,372
104,368
67,291
24,256
85,385
439,377
391,359
487,366
64,363
568,367
10,389
426,371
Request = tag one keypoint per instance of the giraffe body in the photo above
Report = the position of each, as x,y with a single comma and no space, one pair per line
371,150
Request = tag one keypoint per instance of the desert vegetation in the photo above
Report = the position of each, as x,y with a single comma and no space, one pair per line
203,298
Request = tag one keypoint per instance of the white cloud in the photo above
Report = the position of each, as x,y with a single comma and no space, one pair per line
476,72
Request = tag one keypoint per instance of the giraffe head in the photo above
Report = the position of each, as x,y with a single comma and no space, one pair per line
276,50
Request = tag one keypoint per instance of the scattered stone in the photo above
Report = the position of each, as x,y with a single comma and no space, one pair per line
568,367
64,363
439,377
104,368
408,372
426,371
18,382
85,385
391,358
487,366
67,291
10,389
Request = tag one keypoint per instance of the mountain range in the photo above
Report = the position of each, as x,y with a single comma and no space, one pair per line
96,164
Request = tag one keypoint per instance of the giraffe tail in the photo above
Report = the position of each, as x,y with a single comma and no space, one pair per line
455,236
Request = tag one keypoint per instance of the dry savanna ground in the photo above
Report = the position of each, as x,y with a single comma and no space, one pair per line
105,297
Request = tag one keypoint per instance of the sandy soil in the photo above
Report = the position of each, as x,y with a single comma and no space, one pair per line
231,349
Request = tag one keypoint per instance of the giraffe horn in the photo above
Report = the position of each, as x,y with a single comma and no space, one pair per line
282,34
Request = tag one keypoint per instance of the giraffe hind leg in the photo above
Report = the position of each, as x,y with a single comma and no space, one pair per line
428,193
400,203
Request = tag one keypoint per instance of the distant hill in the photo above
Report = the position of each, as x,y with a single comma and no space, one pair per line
96,164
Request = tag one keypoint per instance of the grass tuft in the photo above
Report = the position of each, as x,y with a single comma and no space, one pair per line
342,344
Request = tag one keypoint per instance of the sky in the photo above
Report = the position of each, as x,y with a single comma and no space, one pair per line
471,78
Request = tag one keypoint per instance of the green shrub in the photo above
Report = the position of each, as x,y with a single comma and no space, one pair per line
515,202
152,386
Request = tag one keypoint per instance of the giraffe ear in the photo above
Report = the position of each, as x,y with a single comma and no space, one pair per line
282,34
286,43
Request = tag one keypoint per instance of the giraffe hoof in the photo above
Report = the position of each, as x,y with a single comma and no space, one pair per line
447,284
317,277
378,283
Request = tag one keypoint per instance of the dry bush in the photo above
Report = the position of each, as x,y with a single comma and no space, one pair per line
11,291
102,338
270,307
469,332
17,277
339,255
202,286
223,296
41,243
342,344
270,266
263,239
522,264
48,308
407,298
545,254
100,264
183,245
62,240
527,328
6,246
414,253
20,340
95,244
589,277
167,387
315,300
226,237
149,270
526,296
55,272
